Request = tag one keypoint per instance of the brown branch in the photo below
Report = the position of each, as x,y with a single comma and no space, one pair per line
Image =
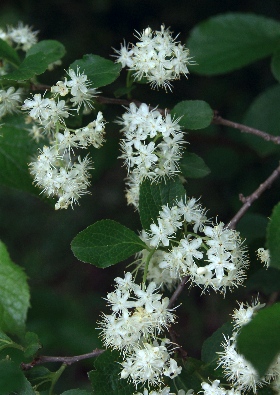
67,360
177,292
273,298
251,198
245,129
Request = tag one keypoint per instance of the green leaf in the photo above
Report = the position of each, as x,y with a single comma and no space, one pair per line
273,237
190,377
154,195
196,114
230,41
106,243
193,166
32,65
213,344
26,389
263,114
16,151
8,53
11,377
32,344
5,341
100,71
52,49
259,340
106,378
14,294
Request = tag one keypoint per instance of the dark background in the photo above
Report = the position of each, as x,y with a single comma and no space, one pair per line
67,294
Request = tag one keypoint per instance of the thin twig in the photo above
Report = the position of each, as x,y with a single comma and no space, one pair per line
67,360
177,292
245,129
251,198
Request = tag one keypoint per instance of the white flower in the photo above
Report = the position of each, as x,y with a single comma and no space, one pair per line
156,56
10,100
237,369
244,314
23,36
151,147
264,256
148,364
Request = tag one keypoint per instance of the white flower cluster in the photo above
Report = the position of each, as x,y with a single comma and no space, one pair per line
152,146
10,100
22,36
139,316
217,246
157,56
237,369
264,256
216,389
56,171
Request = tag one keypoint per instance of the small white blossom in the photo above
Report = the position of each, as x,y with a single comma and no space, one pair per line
264,256
23,36
151,147
245,313
10,100
156,56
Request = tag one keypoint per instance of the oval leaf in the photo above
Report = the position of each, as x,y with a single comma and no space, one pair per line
273,237
14,294
100,71
106,243
230,41
193,166
52,49
263,114
259,340
196,114
154,195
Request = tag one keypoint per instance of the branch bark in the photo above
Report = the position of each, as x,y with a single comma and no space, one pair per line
67,360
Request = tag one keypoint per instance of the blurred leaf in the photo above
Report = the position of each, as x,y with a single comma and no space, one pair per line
154,195
14,294
273,237
52,49
259,340
99,71
106,378
230,41
8,53
264,280
40,377
196,114
263,114
11,377
32,65
212,345
106,243
16,150
193,166
32,344
5,341
26,388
